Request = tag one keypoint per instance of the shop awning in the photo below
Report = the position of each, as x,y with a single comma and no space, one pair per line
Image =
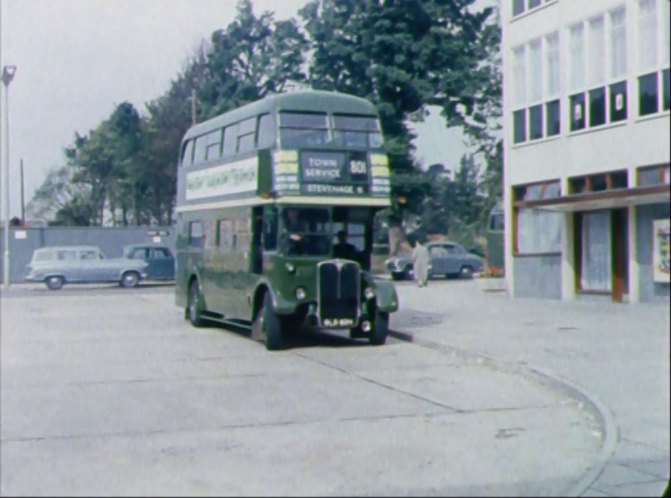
606,199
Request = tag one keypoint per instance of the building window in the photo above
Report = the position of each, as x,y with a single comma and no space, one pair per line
647,34
577,55
532,95
520,6
553,121
653,79
605,98
595,251
653,175
536,231
536,122
618,44
598,182
618,101
596,73
577,112
519,126
666,87
647,94
597,107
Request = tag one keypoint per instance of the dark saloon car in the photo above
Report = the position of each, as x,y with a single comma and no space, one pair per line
447,258
159,258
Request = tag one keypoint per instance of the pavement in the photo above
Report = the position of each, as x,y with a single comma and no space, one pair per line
474,394
613,357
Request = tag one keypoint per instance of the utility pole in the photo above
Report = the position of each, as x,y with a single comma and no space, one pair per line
23,203
7,77
193,106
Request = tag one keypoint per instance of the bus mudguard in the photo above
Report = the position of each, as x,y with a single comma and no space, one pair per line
386,298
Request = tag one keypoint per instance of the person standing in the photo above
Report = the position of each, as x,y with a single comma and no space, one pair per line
420,263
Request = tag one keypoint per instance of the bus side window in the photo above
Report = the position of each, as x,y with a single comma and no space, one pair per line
270,230
266,131
187,153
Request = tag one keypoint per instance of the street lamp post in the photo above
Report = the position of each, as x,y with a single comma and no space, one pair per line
7,77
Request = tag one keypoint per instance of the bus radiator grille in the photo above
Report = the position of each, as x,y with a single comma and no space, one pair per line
339,290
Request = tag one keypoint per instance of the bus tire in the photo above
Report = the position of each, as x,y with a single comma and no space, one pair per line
271,324
378,335
194,306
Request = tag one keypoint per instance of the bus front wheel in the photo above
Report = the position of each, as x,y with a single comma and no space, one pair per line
194,308
380,331
270,323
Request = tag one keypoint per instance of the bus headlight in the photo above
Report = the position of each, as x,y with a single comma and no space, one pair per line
290,267
300,293
369,293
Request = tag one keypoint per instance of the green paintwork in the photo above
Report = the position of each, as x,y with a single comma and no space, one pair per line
232,281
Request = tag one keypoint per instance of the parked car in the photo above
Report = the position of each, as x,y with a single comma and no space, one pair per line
159,257
447,258
56,266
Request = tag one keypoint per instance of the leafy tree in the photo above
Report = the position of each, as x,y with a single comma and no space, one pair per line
405,55
250,58
56,192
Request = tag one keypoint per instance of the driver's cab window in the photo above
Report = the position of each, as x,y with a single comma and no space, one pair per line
353,226
306,231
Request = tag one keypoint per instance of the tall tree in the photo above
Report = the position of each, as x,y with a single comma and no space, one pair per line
250,58
404,55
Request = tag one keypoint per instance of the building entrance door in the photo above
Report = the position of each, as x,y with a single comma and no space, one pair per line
620,254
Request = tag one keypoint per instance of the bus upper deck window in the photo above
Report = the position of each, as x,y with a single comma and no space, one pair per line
356,131
187,153
303,129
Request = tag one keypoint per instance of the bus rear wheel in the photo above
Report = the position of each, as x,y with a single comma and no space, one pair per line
270,323
194,307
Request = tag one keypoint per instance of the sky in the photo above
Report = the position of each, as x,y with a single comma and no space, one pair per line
77,60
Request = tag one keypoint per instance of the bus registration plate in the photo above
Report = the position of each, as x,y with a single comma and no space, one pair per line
338,322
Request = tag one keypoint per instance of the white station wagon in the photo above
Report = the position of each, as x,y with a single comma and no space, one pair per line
56,266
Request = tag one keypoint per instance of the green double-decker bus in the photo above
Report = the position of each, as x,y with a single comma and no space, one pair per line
264,193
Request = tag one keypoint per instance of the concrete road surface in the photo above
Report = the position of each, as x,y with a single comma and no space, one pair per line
108,391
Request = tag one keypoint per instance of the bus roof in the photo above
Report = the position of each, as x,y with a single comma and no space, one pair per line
305,100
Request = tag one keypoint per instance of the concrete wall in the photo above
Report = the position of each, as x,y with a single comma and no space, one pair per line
651,291
538,276
23,241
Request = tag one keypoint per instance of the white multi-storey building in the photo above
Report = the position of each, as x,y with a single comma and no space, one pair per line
586,159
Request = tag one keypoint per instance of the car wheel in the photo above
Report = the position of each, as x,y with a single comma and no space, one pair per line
398,275
407,273
380,331
466,272
55,282
130,279
194,308
270,323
